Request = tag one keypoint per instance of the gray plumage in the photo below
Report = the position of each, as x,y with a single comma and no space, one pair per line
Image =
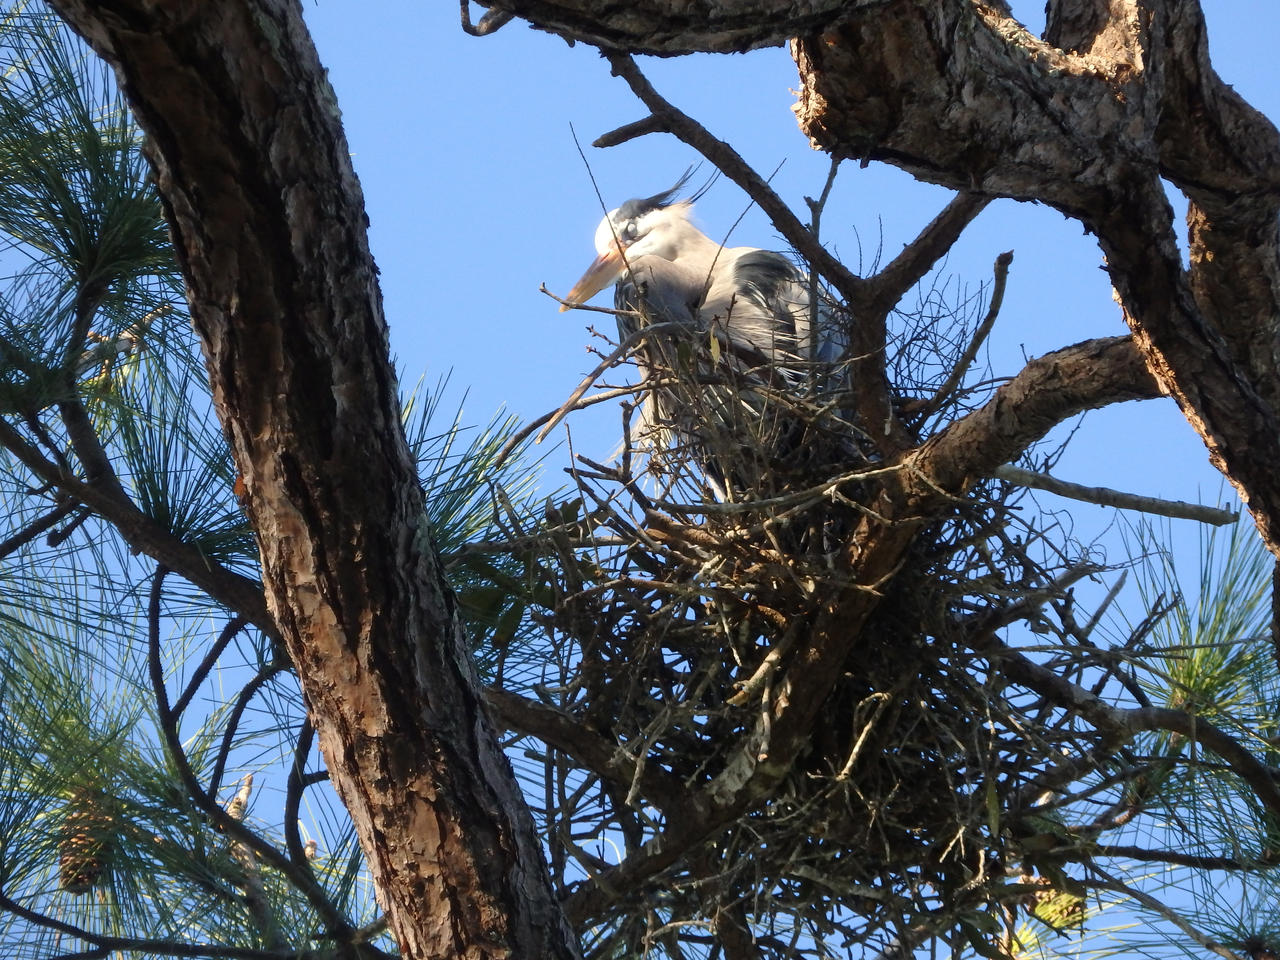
743,312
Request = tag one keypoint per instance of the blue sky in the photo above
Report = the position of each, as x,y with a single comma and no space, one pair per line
476,195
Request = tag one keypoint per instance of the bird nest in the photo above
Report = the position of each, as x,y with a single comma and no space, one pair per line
681,589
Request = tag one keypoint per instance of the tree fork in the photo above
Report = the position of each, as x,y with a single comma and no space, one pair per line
1090,128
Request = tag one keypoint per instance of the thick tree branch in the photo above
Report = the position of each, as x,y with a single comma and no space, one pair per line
1048,390
667,27
1091,129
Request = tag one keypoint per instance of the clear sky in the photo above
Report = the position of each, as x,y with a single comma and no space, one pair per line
476,194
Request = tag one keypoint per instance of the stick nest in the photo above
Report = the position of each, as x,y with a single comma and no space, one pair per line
680,590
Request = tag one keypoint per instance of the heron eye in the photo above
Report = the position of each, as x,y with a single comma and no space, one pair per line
628,232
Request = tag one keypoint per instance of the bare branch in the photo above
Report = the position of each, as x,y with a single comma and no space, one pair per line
1105,497
961,366
266,673
1047,391
917,258
1171,915
1121,724
631,131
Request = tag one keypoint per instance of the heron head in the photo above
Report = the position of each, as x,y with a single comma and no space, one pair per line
638,228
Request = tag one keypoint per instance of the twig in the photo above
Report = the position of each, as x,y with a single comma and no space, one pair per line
1103,496
815,225
800,497
575,305
587,381
961,367
1121,724
1151,903
1109,599
58,537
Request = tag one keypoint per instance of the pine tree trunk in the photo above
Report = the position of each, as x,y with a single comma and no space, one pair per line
269,226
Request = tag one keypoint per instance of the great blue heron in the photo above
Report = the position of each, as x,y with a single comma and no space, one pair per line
745,313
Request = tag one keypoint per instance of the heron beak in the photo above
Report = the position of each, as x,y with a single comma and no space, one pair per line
606,269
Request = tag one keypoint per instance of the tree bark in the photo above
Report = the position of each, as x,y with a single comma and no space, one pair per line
672,27
958,94
269,226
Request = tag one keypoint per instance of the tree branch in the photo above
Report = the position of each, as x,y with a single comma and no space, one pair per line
606,759
294,787
38,526
889,285
1092,134
1105,497
665,28
336,924
1121,724
207,662
1173,916
238,593
961,366
1047,391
